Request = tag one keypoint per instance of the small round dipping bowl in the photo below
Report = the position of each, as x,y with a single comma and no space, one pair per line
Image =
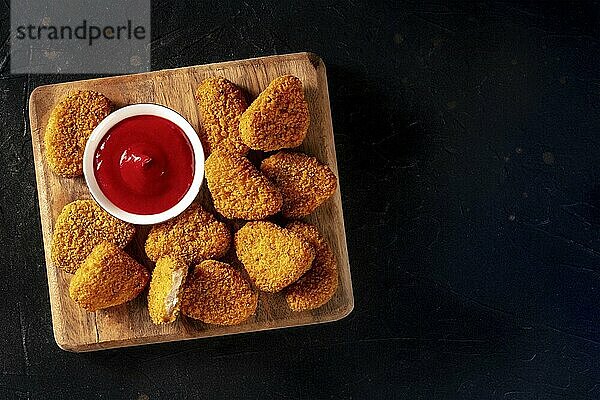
102,129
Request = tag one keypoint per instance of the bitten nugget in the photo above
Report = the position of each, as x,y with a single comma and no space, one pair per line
80,226
273,256
69,127
238,189
108,277
278,118
166,289
194,235
318,285
216,293
304,182
221,104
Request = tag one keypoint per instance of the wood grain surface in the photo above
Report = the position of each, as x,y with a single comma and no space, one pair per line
129,324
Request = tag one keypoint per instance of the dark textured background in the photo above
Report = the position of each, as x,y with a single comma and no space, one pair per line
468,147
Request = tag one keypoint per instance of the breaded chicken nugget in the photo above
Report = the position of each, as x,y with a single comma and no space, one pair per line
216,293
80,226
278,118
108,277
69,127
274,257
238,189
304,182
194,235
221,104
318,285
166,289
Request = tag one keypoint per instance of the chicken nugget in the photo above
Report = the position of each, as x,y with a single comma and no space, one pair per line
221,104
304,182
193,236
166,289
80,226
278,118
319,284
274,257
238,189
108,277
216,293
69,127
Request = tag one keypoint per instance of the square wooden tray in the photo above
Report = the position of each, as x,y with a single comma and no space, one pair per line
129,324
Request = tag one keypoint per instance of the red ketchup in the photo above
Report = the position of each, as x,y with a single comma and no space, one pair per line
144,164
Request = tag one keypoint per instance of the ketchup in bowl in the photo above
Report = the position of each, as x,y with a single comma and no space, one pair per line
144,164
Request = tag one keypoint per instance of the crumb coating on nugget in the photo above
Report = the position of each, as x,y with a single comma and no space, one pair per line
80,226
238,189
108,277
216,293
304,182
278,118
194,235
166,289
69,127
221,104
274,257
319,284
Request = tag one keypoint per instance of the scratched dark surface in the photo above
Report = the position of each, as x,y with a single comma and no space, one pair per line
468,147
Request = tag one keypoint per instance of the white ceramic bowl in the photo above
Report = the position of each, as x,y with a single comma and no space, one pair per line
116,117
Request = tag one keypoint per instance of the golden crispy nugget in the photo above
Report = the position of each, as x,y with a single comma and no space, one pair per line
80,226
318,285
216,293
108,277
69,127
238,189
194,235
273,256
278,118
304,182
221,104
166,289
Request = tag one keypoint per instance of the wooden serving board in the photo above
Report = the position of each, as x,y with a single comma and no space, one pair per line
129,324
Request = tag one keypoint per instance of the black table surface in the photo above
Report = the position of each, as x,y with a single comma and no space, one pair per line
468,141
